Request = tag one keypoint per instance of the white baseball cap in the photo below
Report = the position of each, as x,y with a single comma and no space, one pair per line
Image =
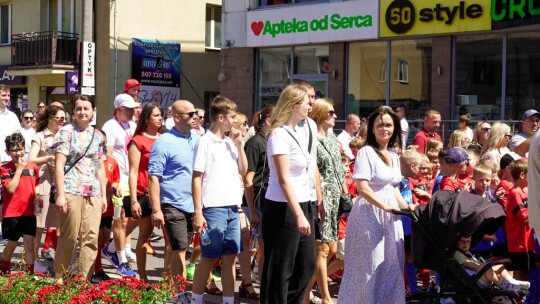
125,100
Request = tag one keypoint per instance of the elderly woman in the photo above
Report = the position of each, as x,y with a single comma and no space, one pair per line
81,188
41,154
287,223
332,183
497,143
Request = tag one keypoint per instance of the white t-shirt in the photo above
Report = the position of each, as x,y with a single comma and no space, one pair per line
303,128
217,159
119,135
10,125
405,131
517,140
469,133
169,123
533,175
28,135
280,142
344,138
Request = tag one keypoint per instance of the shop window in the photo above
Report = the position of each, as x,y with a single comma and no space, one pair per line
213,27
478,76
274,74
403,71
5,24
311,59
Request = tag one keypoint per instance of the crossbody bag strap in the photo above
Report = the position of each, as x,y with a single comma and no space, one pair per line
335,171
310,143
85,151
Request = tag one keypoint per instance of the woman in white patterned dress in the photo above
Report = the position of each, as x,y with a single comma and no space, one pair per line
374,255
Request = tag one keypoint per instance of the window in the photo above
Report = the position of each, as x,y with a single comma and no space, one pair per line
62,15
213,27
403,71
280,2
5,24
382,72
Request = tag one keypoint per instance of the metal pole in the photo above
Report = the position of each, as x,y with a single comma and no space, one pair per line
87,21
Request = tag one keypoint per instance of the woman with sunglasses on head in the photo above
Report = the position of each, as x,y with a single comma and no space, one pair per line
332,183
41,154
81,195
497,143
137,204
27,130
481,134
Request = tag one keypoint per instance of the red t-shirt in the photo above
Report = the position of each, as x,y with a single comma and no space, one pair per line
422,184
342,226
21,202
506,186
112,173
144,145
519,236
421,138
450,184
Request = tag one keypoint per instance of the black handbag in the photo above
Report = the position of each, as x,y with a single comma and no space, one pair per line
52,194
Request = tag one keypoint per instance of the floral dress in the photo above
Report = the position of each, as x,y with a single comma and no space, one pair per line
332,177
374,252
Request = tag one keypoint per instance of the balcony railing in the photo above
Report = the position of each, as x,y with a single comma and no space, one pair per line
44,49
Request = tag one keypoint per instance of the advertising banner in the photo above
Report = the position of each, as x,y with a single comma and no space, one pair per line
301,24
428,17
155,63
5,78
72,82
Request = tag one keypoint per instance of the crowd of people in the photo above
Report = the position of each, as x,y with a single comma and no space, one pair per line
268,195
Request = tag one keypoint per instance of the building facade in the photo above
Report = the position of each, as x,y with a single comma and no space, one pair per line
39,43
476,57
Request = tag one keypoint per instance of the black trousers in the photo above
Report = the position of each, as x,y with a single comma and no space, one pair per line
289,256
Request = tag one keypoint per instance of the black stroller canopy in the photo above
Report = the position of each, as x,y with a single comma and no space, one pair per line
447,218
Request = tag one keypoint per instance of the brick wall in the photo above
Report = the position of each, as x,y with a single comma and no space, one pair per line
441,89
239,70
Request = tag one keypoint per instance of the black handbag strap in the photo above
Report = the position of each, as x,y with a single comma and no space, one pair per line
335,171
85,151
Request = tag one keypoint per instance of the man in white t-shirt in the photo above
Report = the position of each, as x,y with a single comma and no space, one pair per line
401,112
119,131
533,174
10,122
530,121
344,138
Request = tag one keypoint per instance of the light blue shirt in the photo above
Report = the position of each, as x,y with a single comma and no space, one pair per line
171,160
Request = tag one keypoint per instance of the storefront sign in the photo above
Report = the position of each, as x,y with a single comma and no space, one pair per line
7,79
88,56
300,24
422,17
512,13
72,82
155,63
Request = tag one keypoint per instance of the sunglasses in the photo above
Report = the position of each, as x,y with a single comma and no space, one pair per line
201,117
28,117
509,136
486,129
190,114
331,113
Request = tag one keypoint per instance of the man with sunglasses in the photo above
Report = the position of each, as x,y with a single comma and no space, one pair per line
120,130
199,121
520,142
27,130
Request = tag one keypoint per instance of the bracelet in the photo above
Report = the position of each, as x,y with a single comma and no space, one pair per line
134,202
156,211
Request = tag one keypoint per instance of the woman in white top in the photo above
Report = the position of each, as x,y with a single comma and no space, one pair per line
497,143
287,224
27,130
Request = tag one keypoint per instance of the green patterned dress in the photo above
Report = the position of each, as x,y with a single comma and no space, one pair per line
332,177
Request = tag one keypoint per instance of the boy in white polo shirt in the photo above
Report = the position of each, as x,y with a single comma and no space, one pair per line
216,194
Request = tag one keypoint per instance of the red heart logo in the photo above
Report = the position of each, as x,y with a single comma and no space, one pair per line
257,27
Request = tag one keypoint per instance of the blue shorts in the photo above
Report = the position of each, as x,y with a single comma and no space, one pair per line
224,231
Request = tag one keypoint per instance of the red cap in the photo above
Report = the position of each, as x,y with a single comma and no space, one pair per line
130,83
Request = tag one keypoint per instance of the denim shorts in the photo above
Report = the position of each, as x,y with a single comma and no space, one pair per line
224,231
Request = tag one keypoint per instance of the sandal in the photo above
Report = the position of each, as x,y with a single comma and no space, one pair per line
243,291
214,291
315,300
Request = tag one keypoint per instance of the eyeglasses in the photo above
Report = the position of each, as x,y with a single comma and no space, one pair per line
28,117
486,129
331,113
190,114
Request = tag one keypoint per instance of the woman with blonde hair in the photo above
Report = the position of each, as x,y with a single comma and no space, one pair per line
287,224
433,144
497,143
332,184
481,134
458,138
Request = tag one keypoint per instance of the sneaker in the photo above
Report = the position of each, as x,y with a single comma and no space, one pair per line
131,257
124,269
46,255
506,285
99,276
154,237
111,256
216,274
190,272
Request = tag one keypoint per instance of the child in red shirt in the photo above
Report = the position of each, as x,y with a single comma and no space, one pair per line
457,161
19,180
421,184
112,173
519,235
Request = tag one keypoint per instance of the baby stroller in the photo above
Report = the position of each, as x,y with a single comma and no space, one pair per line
436,229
